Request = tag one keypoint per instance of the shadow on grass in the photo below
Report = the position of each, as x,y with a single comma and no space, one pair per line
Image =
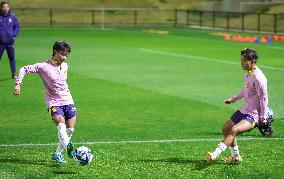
197,164
64,172
6,79
63,169
59,169
25,161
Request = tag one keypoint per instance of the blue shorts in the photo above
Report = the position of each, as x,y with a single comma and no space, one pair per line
238,116
67,111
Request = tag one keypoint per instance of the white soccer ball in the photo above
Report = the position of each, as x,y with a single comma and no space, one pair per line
83,155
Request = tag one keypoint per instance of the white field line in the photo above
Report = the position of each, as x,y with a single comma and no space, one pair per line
192,57
138,141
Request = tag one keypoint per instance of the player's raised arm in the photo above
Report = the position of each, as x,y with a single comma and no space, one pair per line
23,71
235,98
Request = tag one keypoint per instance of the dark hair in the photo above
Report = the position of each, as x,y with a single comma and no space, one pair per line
4,2
250,54
61,46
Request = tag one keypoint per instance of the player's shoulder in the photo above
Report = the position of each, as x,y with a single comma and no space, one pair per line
259,75
65,65
43,64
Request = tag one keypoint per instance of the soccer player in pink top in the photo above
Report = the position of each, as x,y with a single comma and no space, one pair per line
58,99
253,112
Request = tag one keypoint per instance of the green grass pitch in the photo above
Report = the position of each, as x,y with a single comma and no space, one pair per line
161,93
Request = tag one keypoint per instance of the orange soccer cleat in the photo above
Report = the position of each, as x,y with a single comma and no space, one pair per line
233,159
210,157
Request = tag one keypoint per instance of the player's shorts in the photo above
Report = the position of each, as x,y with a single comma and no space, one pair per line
238,116
67,111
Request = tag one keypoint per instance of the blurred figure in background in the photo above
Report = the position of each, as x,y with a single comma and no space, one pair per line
9,29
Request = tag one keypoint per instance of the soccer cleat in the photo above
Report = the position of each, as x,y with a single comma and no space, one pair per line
58,158
70,148
210,157
233,159
14,77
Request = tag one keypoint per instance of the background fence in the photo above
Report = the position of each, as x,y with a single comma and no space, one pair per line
245,22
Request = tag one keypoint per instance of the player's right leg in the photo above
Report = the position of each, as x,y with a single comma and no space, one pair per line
226,128
211,156
57,157
70,121
57,117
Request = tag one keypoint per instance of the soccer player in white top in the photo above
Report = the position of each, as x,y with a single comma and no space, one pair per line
58,99
254,110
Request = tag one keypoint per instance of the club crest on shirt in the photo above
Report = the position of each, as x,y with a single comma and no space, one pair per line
53,109
9,20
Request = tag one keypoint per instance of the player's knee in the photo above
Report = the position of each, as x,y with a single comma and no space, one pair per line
235,130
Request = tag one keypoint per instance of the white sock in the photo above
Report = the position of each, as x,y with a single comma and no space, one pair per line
70,132
220,148
60,147
235,151
62,135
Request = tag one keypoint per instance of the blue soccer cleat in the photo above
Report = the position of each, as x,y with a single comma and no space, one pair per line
58,158
70,148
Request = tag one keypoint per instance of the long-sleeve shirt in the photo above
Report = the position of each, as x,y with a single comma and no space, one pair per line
255,95
54,79
9,27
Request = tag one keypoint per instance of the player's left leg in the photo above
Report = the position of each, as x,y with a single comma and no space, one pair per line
70,124
11,56
70,116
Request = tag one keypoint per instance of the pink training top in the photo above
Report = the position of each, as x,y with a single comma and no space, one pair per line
255,95
54,79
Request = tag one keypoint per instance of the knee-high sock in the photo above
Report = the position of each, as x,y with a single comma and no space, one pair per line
62,135
235,151
220,148
69,132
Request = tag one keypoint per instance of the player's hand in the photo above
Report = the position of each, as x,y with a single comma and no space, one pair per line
17,89
227,101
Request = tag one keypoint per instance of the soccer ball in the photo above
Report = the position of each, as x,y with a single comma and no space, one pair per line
83,155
